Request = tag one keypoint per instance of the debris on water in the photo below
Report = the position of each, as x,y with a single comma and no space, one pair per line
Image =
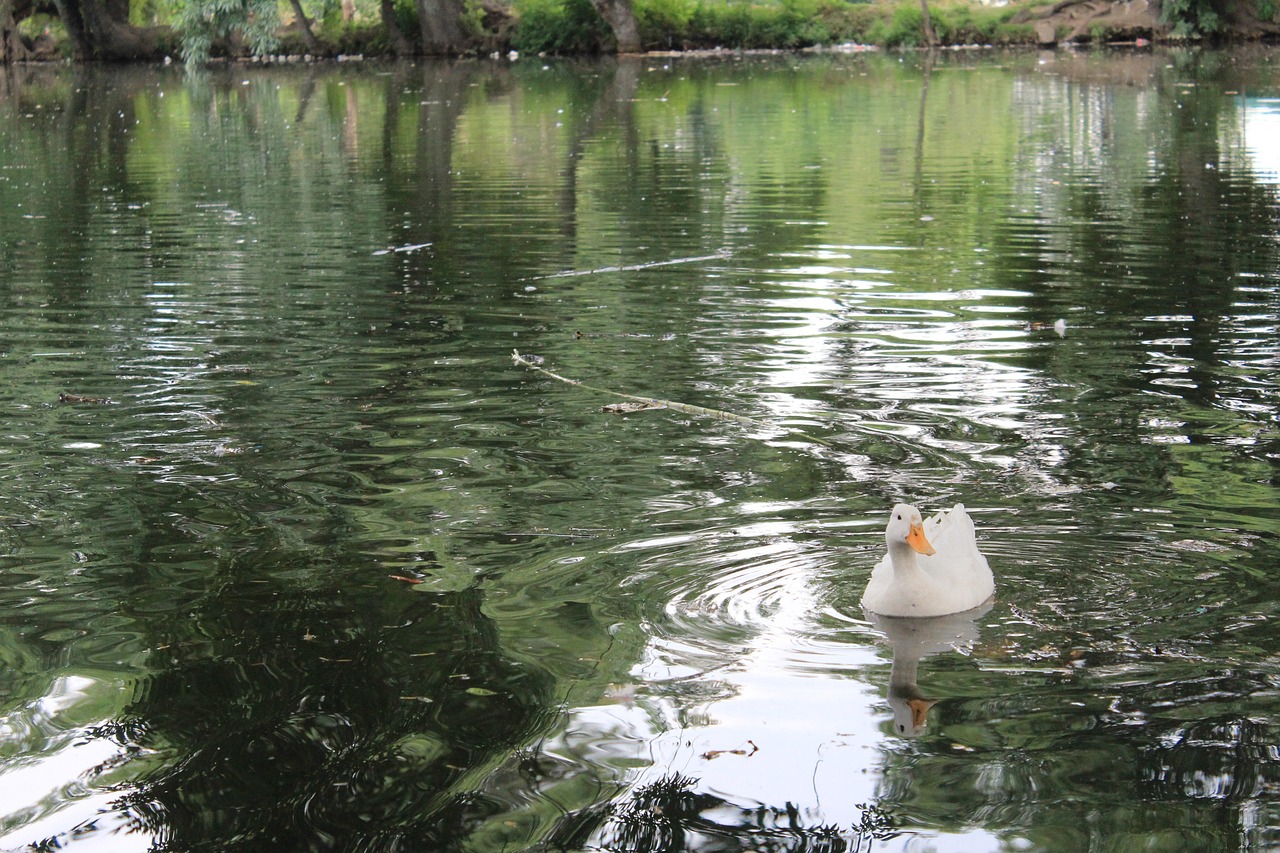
412,247
1198,545
629,408
720,255
76,398
623,694
1059,326
716,753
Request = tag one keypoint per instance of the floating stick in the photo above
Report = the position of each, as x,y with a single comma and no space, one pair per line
688,409
723,253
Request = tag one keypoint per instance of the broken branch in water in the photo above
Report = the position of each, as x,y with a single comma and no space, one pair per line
629,408
653,402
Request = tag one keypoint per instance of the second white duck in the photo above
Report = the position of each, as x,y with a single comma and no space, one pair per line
933,567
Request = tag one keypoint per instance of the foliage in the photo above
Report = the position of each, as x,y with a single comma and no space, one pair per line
363,34
205,22
708,23
367,37
954,23
1191,18
473,18
574,27
965,24
905,28
143,13
553,26
664,22
41,23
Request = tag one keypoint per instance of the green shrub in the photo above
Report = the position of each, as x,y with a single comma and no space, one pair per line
1191,18
857,20
803,24
786,24
904,29
965,24
717,24
572,26
664,22
558,26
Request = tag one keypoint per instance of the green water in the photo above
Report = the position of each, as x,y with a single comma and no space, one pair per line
295,557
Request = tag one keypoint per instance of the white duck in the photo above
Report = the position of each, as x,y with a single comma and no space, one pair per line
933,567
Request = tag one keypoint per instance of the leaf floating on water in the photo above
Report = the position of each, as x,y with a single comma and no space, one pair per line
481,691
628,408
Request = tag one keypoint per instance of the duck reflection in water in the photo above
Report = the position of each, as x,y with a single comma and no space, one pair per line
912,639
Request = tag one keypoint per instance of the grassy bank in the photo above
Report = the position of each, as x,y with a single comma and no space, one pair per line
801,23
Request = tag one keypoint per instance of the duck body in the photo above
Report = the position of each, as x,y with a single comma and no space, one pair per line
933,566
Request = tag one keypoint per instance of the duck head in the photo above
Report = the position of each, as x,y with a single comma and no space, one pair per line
906,530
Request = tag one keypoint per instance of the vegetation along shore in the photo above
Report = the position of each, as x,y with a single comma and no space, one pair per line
197,31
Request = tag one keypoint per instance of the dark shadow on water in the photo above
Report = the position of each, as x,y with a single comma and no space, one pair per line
304,721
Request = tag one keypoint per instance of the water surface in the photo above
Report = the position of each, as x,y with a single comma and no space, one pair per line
295,555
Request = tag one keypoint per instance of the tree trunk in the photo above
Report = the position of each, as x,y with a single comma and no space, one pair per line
441,22
69,14
11,47
930,37
622,21
304,26
399,44
96,34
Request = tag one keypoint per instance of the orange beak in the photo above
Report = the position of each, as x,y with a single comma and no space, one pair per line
916,540
920,711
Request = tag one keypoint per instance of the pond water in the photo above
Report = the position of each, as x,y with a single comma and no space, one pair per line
296,556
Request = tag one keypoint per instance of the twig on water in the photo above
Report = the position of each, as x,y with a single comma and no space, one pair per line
723,253
686,408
